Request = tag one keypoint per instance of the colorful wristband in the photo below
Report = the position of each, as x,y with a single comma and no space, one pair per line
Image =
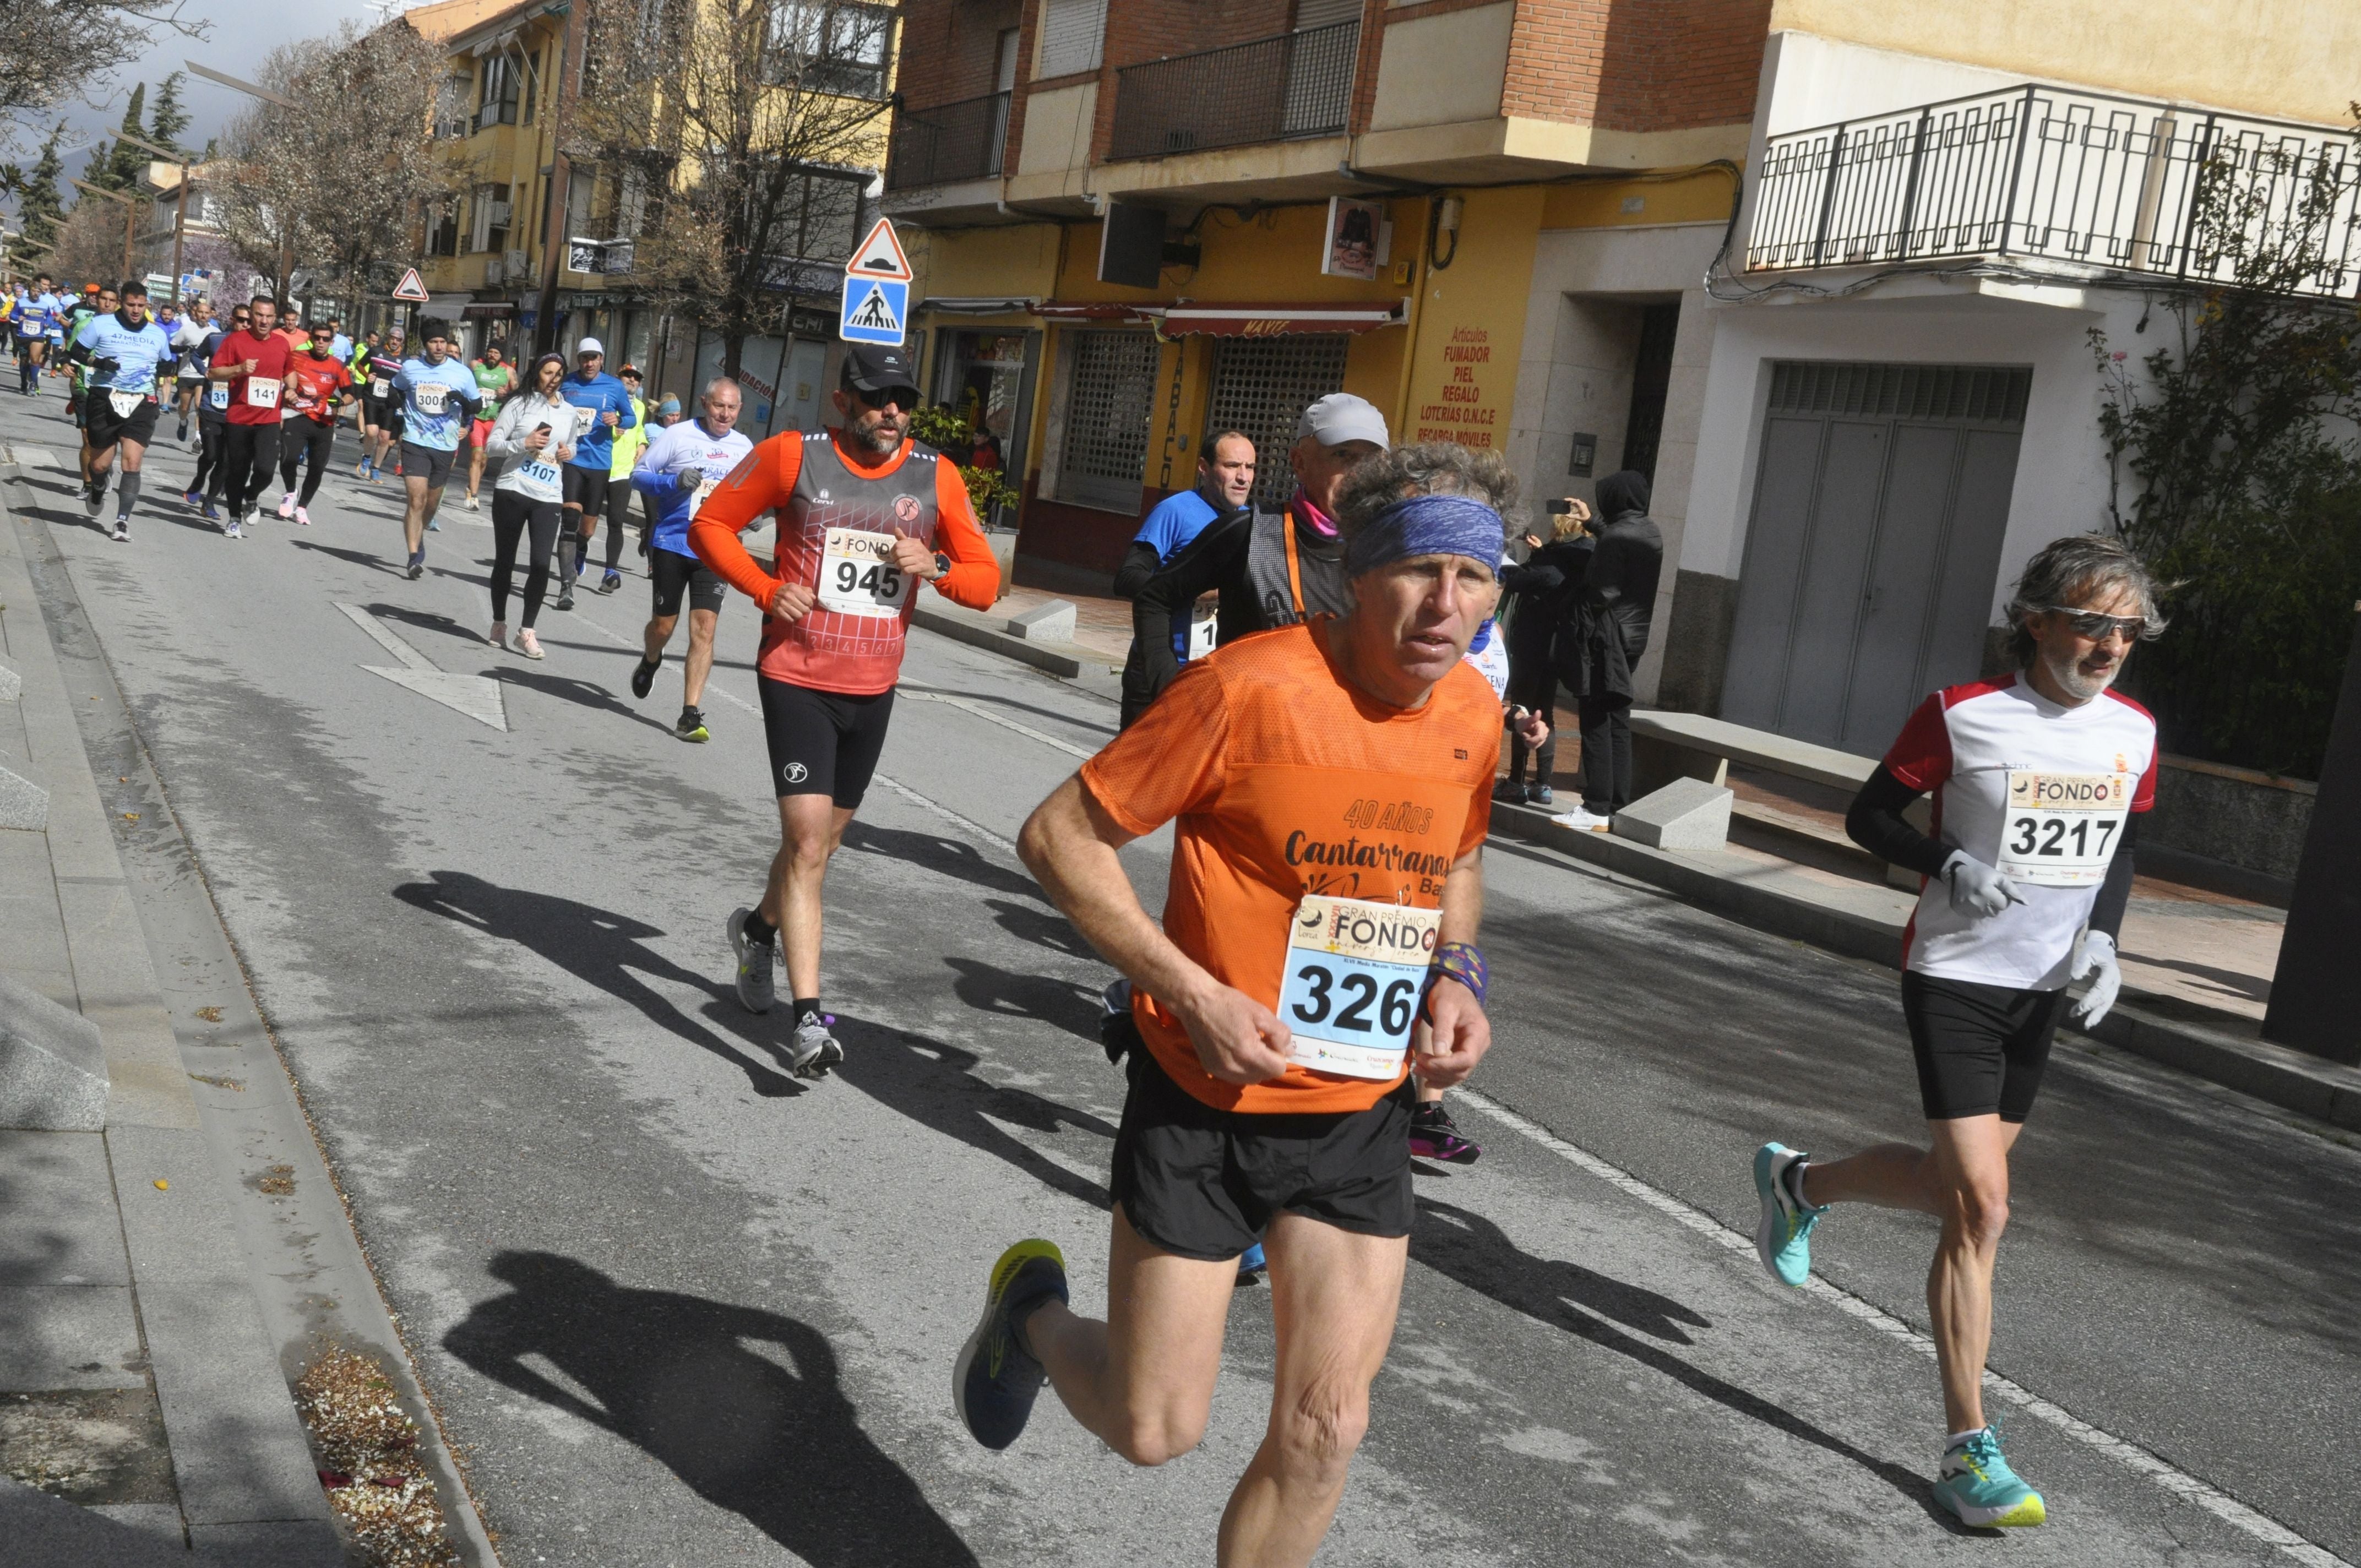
1462,962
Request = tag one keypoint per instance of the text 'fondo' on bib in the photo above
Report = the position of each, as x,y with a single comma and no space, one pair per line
2059,830
261,392
857,575
1350,992
430,396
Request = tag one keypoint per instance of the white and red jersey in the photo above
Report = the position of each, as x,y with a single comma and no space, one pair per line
2041,792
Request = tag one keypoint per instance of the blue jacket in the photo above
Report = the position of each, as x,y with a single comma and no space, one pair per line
601,394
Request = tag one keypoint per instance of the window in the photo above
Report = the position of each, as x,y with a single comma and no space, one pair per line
834,48
451,100
503,81
442,238
1108,394
488,226
531,82
1073,32
819,216
1260,386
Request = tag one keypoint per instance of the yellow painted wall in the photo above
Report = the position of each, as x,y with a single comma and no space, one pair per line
1471,321
1015,259
1703,197
2297,60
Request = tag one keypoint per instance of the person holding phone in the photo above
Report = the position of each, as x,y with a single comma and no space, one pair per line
1542,593
533,440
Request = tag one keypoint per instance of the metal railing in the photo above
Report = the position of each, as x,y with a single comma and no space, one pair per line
965,140
1297,85
2116,184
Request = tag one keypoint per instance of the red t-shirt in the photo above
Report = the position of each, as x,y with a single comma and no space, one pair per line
317,382
250,403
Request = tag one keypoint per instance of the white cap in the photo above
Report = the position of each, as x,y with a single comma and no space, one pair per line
587,346
1340,417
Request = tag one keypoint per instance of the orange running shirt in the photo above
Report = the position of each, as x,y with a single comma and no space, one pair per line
1286,782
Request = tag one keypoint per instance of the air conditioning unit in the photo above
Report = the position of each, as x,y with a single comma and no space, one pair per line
499,214
514,260
494,273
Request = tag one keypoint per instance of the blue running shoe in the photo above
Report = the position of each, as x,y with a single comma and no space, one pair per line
1252,1265
1977,1485
1783,1236
994,1381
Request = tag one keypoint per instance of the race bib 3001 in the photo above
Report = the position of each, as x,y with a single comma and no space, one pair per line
1350,992
857,575
430,396
2059,830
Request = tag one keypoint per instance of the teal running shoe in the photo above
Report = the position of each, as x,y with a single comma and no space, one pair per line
1977,1485
994,1381
1783,1236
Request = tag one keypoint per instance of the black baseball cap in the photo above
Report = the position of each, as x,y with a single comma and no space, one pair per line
875,368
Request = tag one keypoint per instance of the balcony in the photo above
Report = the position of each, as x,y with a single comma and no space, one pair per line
954,142
1278,89
2114,185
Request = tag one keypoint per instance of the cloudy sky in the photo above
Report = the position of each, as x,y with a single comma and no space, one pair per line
239,33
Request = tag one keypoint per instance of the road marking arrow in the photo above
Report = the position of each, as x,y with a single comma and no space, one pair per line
474,696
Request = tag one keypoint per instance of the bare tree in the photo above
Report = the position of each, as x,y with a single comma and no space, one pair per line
89,248
55,49
336,183
732,141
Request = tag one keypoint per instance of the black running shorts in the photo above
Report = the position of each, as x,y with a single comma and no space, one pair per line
587,488
105,429
429,463
1979,1048
822,742
676,575
1204,1183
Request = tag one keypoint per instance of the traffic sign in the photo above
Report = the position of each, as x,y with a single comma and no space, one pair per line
880,255
410,288
875,310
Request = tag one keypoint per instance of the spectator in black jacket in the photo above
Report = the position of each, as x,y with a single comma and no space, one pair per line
1609,634
1542,595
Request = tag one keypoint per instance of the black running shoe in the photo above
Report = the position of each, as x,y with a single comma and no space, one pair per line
691,724
645,677
995,1380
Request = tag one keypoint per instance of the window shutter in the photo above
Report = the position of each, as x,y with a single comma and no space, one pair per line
1072,34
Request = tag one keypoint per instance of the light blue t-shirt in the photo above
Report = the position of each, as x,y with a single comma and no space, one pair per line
340,349
37,315
437,427
137,352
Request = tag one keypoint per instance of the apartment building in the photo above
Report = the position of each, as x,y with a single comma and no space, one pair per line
1767,251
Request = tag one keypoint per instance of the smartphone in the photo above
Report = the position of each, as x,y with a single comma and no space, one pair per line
1561,508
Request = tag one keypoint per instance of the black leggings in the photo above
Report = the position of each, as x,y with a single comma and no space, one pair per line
296,437
619,513
1533,683
212,461
510,514
253,451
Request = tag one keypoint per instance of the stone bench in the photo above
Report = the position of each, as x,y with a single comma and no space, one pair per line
1668,746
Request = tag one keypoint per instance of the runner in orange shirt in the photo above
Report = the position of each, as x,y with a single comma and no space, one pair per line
1332,784
864,514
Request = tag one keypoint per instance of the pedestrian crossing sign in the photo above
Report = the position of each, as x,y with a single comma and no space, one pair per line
874,311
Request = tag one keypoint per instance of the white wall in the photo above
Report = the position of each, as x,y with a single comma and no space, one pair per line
2062,477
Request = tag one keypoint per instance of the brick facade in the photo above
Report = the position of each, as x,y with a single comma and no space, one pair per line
1636,65
949,49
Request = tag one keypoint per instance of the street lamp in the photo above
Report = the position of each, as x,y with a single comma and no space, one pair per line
181,217
130,215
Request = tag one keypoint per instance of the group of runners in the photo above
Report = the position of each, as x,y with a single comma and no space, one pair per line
1315,980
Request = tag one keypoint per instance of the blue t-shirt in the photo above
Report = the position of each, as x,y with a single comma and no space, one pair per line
35,314
600,394
340,349
673,451
1177,519
136,351
437,420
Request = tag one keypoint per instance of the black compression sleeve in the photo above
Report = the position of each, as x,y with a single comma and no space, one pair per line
2115,893
1139,564
1876,824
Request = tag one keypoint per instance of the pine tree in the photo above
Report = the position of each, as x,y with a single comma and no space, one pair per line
119,166
168,120
39,213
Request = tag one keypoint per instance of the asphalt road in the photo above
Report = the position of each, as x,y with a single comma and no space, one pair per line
677,1306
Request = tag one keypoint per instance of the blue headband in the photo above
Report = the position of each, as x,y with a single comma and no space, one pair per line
1426,525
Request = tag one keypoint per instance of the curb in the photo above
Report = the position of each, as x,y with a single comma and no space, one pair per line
1068,660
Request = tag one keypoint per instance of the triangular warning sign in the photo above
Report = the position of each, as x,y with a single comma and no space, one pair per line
875,315
880,255
410,288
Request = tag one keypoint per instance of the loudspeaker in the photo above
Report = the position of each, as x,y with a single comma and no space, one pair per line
1131,245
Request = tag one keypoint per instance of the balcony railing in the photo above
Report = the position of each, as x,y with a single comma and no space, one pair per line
1297,85
2111,183
964,140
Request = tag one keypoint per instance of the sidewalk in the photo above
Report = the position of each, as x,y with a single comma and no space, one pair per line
149,1331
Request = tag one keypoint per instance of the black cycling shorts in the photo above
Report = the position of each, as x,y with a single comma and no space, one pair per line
587,488
823,742
676,575
429,463
105,429
1204,1183
1979,1048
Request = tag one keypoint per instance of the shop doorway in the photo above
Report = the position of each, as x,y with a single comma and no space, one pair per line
987,376
1261,386
1108,390
1879,503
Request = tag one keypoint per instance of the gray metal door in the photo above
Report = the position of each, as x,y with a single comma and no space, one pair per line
1878,507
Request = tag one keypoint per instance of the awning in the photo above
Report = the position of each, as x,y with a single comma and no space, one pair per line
1212,319
963,306
1087,311
479,308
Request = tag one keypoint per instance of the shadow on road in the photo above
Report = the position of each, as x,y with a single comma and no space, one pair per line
780,1445
949,856
1030,925
573,689
1475,1251
936,1085
350,557
599,948
1003,993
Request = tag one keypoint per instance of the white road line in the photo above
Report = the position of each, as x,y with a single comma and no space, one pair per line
410,657
2164,1473
947,814
969,705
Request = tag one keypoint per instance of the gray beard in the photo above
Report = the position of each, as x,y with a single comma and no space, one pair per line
2073,682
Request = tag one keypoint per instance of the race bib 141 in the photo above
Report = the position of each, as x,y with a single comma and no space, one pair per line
1350,992
2059,830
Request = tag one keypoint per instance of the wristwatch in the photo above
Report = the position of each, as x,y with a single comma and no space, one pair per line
942,565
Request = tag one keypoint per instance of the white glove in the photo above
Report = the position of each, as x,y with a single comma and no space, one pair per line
2096,957
1977,890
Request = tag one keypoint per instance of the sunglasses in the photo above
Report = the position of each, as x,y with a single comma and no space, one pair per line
901,397
2098,628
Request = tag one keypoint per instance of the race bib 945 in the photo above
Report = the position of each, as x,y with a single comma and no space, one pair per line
2059,830
1350,992
857,575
